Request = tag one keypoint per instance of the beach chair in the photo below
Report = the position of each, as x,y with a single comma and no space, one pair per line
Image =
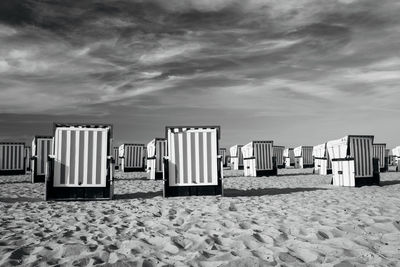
156,151
131,157
28,157
278,154
81,167
288,156
353,163
303,157
193,166
322,161
396,157
222,152
42,147
379,152
116,158
12,158
258,159
236,157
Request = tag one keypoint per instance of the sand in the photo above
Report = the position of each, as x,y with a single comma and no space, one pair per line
294,219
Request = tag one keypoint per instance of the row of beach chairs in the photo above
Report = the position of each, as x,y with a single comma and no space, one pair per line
78,162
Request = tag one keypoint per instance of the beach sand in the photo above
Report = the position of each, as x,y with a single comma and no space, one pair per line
294,219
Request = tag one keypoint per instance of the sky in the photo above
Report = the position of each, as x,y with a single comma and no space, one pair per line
299,72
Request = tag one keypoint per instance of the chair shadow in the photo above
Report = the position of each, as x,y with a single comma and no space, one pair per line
132,179
392,182
144,195
266,191
20,199
295,174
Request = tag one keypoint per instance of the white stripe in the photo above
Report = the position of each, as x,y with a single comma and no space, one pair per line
214,160
172,160
67,161
205,152
94,174
57,174
196,141
85,156
180,165
104,158
189,157
77,159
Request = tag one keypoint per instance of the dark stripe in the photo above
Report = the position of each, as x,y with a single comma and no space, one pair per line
41,162
185,154
72,158
193,156
201,160
98,157
90,158
209,157
81,162
63,158
176,149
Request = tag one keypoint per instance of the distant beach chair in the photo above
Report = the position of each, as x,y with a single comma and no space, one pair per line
193,166
12,158
278,154
132,157
303,157
288,155
28,156
322,161
353,163
116,157
396,157
222,152
236,157
156,151
258,159
380,154
42,147
81,167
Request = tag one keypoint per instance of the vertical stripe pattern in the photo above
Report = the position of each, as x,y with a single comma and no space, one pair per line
192,157
28,155
133,155
12,156
43,148
379,151
116,156
362,152
263,152
81,157
278,154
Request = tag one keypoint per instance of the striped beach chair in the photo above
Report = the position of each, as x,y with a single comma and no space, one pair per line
116,158
131,157
382,156
193,166
42,147
396,157
258,159
303,157
28,156
222,152
156,151
288,156
81,167
12,158
278,154
353,163
236,157
322,161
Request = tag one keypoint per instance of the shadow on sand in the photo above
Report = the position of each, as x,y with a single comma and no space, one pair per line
20,199
267,191
386,183
138,195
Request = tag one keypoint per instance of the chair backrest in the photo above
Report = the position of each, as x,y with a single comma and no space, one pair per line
80,155
157,149
12,156
192,153
262,151
42,147
380,153
278,154
133,155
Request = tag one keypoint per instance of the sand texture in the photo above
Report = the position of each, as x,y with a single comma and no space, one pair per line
294,219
